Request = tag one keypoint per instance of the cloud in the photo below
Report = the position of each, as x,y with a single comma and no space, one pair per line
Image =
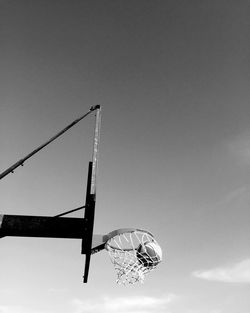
140,304
236,273
206,311
57,290
18,309
238,198
239,146
236,195
7,291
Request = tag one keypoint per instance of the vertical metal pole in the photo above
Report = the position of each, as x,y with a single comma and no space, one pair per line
95,151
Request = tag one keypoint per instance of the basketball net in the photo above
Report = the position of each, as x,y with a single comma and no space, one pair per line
124,251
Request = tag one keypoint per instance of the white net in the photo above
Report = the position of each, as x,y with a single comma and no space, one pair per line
134,254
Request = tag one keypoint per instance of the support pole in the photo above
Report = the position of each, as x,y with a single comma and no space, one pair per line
21,162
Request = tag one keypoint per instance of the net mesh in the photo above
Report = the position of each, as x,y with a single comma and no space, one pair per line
129,256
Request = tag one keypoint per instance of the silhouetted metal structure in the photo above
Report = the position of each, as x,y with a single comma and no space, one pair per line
58,226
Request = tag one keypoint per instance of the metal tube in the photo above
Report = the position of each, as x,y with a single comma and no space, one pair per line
21,162
71,211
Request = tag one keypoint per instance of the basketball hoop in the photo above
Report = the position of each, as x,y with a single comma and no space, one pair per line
134,253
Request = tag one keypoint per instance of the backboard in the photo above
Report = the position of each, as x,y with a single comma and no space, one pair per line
89,214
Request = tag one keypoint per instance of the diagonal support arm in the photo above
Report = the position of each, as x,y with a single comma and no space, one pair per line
21,162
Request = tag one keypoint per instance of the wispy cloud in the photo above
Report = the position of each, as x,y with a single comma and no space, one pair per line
203,311
240,147
18,309
57,290
238,198
236,273
141,304
7,291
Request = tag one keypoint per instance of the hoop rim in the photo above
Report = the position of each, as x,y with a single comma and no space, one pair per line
122,231
124,248
101,242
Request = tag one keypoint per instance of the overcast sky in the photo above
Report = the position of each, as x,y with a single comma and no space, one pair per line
172,78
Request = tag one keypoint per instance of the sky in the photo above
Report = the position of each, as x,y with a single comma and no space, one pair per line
172,78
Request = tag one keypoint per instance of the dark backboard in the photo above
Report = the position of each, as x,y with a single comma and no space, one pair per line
91,197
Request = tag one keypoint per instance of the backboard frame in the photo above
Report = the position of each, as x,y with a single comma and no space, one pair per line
90,201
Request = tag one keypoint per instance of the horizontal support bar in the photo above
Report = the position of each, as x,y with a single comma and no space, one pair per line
42,226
